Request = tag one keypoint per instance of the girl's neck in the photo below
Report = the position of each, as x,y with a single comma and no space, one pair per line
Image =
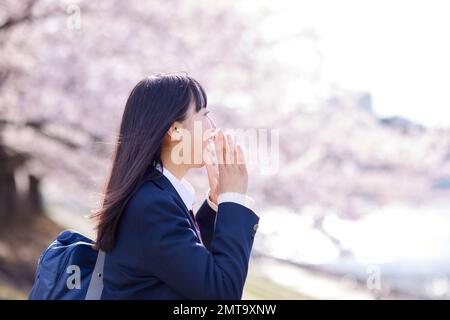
178,170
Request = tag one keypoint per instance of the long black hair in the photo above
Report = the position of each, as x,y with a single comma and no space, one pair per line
154,104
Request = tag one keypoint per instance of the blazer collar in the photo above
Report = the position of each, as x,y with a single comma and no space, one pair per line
164,183
181,189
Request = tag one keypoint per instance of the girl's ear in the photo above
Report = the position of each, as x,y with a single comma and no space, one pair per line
174,131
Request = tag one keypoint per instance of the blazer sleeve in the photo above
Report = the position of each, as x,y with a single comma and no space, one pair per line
172,253
206,219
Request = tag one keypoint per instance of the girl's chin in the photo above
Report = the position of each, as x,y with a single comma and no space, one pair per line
197,165
200,165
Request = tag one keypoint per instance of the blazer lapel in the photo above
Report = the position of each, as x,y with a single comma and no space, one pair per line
165,184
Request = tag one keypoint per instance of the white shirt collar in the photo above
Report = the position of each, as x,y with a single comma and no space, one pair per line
183,187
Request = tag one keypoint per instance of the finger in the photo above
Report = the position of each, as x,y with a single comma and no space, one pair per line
236,154
219,145
226,149
212,171
241,158
209,170
240,154
212,176
210,134
209,155
231,150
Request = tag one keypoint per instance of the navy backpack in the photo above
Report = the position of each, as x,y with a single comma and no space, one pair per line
69,269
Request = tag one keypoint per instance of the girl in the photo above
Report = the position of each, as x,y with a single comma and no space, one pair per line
156,248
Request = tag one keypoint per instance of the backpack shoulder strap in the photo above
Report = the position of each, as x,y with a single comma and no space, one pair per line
95,288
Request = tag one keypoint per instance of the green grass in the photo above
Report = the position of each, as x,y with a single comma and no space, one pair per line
261,288
10,292
256,288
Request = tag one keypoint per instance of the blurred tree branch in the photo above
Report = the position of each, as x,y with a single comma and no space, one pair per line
40,127
27,15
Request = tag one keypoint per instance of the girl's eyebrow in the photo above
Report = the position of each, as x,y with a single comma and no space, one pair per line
206,112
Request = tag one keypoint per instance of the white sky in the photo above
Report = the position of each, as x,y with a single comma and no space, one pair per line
397,50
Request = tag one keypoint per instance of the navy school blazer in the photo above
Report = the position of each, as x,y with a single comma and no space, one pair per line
158,253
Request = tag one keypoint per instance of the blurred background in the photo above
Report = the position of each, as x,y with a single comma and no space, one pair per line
359,206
